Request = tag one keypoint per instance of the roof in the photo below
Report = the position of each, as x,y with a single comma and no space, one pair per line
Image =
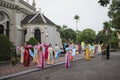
36,19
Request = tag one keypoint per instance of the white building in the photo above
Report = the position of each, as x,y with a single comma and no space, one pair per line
19,21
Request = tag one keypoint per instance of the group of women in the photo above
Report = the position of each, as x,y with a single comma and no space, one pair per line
90,50
44,52
100,49
40,53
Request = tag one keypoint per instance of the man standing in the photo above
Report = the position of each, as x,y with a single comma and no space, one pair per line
107,51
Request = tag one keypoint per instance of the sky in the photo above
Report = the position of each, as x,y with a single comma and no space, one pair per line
62,12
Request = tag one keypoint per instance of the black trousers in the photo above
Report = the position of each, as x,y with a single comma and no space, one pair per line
108,55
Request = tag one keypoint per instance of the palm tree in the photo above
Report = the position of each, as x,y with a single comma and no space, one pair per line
107,30
107,27
104,3
76,17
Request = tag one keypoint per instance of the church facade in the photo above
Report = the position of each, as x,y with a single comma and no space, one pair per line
20,21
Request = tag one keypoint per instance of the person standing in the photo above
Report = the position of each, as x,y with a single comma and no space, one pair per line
26,61
99,49
22,54
35,54
56,49
50,59
92,51
67,61
87,53
40,57
46,51
107,51
79,48
67,55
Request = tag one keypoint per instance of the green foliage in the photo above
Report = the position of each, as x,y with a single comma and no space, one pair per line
114,40
114,14
76,17
102,37
61,30
5,48
78,37
86,35
107,25
58,27
32,41
66,33
69,34
104,3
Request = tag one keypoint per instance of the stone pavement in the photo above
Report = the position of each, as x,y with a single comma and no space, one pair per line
19,69
94,69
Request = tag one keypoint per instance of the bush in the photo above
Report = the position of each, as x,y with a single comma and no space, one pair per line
5,48
114,40
32,41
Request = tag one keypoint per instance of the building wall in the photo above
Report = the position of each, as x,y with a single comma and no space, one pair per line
15,11
26,7
9,16
53,36
48,33
30,31
51,31
59,41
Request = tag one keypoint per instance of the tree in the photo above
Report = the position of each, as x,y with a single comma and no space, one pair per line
78,37
114,40
107,28
76,17
87,35
110,37
105,34
66,33
69,34
104,3
61,31
114,14
102,37
5,49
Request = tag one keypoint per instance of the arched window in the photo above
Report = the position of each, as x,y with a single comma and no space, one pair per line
25,32
1,29
1,16
7,28
37,35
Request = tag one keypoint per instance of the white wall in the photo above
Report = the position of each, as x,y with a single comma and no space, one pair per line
30,31
51,31
53,36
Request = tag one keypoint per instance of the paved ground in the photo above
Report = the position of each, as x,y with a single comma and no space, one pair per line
9,71
95,69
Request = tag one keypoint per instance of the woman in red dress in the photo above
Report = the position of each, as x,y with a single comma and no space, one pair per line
26,62
46,51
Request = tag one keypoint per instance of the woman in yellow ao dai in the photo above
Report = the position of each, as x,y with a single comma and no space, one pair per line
87,52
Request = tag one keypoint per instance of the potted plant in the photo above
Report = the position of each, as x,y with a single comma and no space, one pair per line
13,60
